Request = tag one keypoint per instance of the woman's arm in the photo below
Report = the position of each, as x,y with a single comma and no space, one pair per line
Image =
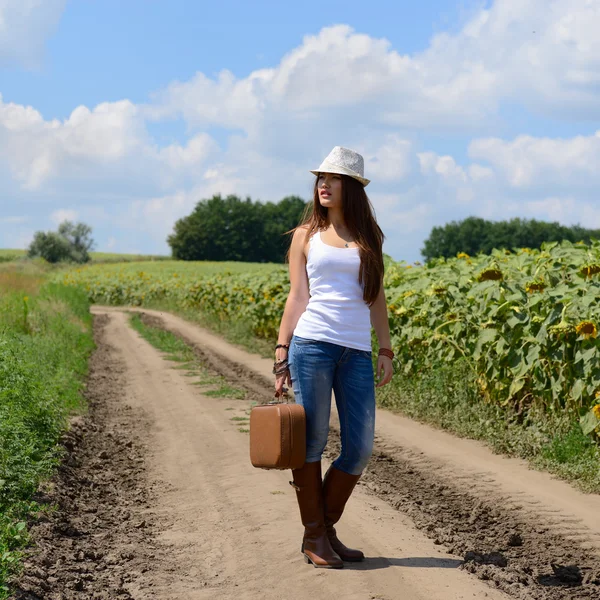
381,324
296,302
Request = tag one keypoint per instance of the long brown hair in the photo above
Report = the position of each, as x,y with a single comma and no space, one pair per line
360,220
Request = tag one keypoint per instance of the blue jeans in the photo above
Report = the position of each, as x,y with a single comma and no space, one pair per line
317,368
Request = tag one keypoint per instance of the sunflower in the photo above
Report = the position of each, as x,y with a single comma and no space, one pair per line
462,255
482,383
589,270
560,330
535,286
490,275
587,329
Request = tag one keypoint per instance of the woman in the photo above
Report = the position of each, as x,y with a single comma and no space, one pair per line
324,345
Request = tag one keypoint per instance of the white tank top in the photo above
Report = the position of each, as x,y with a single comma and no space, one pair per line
336,311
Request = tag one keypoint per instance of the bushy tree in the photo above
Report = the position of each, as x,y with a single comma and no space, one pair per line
71,243
234,229
79,237
474,235
278,219
50,246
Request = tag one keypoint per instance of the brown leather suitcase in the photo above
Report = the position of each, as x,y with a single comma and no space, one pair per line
278,436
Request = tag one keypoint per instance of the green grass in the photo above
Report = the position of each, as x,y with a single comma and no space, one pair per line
97,257
226,391
447,397
10,255
45,343
177,350
110,257
238,332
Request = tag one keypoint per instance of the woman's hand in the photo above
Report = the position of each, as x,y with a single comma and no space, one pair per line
385,370
280,381
282,378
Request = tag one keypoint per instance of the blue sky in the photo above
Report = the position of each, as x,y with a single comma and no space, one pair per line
125,114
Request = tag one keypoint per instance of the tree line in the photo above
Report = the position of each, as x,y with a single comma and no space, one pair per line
237,229
474,235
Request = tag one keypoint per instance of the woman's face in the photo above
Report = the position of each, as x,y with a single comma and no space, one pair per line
330,190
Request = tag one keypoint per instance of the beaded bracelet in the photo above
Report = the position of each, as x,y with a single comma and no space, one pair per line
386,352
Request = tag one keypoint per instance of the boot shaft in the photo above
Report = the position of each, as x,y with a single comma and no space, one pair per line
308,484
337,489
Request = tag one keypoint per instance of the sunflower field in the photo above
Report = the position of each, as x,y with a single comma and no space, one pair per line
525,322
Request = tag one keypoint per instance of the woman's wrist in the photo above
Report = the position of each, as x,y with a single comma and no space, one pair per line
386,352
282,350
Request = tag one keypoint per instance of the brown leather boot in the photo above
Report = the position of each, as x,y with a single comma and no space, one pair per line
337,488
309,492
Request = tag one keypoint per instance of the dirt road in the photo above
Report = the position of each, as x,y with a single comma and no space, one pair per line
200,522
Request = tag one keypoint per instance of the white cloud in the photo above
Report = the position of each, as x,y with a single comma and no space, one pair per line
24,27
443,166
545,53
479,173
529,162
567,210
37,150
105,145
391,161
58,216
335,69
197,150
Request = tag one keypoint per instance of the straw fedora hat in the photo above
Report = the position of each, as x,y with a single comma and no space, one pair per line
344,162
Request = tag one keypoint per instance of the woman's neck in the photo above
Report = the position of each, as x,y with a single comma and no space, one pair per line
336,218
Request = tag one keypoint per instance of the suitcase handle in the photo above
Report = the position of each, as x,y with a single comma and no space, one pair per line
277,400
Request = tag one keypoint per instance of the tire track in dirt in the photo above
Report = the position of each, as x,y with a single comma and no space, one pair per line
97,542
233,532
519,547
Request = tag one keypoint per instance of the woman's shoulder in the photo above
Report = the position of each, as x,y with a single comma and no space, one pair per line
300,234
